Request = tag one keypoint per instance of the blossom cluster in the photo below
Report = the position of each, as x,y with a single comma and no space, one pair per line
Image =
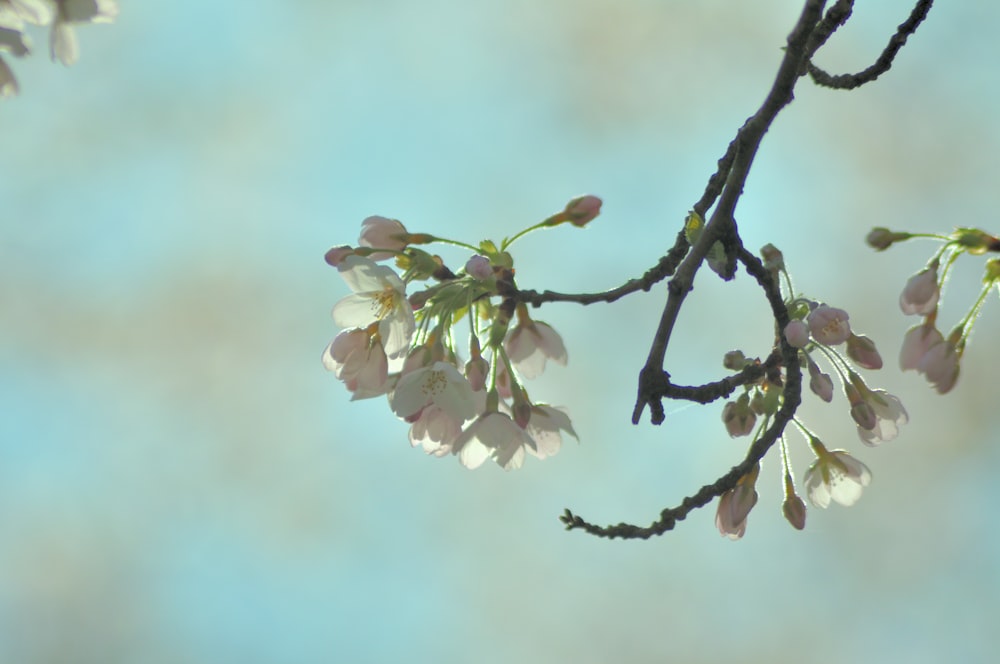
925,349
822,334
402,342
60,16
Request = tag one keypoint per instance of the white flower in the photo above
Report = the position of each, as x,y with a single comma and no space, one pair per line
829,325
440,384
382,233
435,430
543,430
835,475
916,342
530,343
890,416
359,360
492,434
379,295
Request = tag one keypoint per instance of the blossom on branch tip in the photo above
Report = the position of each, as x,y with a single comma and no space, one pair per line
835,475
793,507
379,296
921,293
336,255
829,325
582,210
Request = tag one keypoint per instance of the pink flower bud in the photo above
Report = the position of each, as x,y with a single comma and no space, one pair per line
795,511
382,233
882,238
774,260
829,325
921,293
479,267
738,417
337,254
820,383
476,371
862,350
797,333
582,210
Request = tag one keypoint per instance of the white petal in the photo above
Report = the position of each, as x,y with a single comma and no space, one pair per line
355,311
409,396
473,454
551,343
363,275
62,43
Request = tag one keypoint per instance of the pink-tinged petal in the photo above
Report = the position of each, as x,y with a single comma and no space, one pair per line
382,233
916,342
921,293
8,82
335,256
797,334
940,364
862,350
820,383
829,325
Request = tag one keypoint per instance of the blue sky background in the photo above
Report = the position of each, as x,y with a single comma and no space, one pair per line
180,481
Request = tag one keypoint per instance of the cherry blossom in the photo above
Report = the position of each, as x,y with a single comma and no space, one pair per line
735,505
797,333
820,383
889,414
940,364
916,342
738,417
530,343
582,210
835,475
435,430
543,429
829,325
382,233
921,293
492,434
357,357
379,295
439,384
862,350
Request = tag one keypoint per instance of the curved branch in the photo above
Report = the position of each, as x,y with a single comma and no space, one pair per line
722,225
884,61
792,396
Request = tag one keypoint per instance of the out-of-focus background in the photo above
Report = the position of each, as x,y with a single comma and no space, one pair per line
180,481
